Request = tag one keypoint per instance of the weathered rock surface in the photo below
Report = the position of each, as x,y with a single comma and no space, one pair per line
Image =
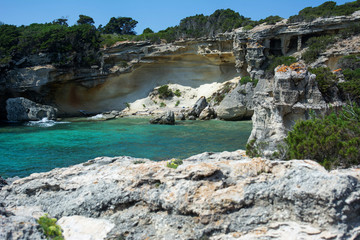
238,104
207,114
220,196
199,106
281,101
22,109
168,118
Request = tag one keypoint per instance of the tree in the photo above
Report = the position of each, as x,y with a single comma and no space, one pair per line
121,25
83,19
61,21
147,30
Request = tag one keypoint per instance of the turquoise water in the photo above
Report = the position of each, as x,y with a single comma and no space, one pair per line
27,149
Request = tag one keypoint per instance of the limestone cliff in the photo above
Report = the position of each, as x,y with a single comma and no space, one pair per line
131,70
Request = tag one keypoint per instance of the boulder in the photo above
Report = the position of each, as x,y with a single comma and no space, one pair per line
22,109
200,105
168,118
238,104
207,114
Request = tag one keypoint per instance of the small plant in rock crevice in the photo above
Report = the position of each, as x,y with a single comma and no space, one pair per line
174,163
50,228
162,104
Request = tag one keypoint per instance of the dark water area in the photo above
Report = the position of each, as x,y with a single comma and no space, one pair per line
44,145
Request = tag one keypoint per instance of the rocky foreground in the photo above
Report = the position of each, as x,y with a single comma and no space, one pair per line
210,196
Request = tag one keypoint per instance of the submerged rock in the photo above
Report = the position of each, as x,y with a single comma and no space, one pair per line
22,109
219,196
168,118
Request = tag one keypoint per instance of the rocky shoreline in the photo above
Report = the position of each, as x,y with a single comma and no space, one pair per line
210,196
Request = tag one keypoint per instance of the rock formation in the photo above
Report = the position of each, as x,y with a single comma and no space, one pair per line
168,118
22,109
279,102
238,104
129,70
199,106
217,196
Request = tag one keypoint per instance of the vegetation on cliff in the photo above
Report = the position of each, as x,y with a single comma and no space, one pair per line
327,9
77,45
332,140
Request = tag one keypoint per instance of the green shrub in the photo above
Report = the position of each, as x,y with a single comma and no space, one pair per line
276,61
127,105
177,103
333,140
162,104
220,95
174,163
248,27
246,79
165,92
326,9
351,87
316,46
177,93
325,80
50,228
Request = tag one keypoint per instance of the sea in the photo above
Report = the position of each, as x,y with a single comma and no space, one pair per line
40,146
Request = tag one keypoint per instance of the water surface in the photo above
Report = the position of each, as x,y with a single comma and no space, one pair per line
25,149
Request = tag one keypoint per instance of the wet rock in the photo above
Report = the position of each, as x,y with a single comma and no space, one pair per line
168,118
22,109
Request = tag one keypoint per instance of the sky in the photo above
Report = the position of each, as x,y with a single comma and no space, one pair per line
155,14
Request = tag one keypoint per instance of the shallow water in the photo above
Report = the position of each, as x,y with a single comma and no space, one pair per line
42,146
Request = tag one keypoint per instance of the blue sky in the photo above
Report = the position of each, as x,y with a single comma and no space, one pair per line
156,14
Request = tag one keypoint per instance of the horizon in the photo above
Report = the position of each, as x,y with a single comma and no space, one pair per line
157,15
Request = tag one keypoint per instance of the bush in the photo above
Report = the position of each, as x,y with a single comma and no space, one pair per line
174,163
317,45
50,228
325,80
276,61
247,79
177,93
165,92
326,9
177,103
162,104
333,140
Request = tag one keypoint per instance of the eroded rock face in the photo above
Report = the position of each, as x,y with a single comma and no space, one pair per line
220,196
281,101
22,109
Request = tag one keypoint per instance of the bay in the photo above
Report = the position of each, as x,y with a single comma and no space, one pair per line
42,146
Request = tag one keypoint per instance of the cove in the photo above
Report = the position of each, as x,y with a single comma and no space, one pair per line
40,147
